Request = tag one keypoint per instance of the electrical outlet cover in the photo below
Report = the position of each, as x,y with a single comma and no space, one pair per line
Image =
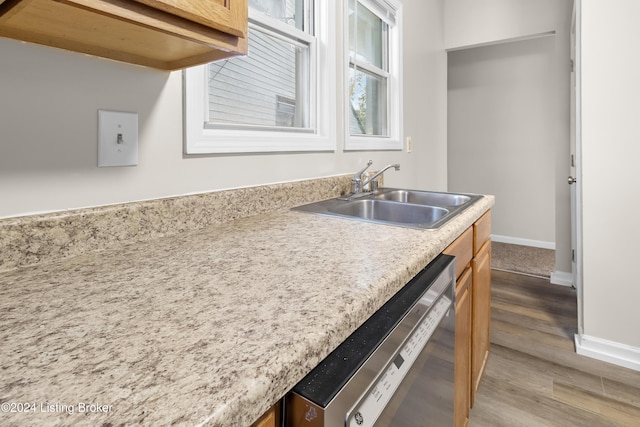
117,138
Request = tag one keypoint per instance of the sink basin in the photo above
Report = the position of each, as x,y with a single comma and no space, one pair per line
382,210
424,197
393,206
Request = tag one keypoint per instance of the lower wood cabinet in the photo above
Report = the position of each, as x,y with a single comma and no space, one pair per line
472,250
480,339
462,376
271,418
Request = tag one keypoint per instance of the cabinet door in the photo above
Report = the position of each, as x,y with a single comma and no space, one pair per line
229,16
462,381
481,231
481,314
123,30
271,418
462,249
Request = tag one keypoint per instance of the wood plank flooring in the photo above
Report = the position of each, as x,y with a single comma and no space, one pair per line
533,375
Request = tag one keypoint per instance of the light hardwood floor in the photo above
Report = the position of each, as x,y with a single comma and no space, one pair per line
533,375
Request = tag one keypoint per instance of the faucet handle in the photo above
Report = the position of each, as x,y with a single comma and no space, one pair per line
358,174
357,178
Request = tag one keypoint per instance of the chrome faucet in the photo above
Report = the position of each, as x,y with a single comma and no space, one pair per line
373,180
358,185
357,178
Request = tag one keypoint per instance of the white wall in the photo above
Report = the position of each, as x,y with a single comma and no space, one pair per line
502,38
48,119
499,139
610,155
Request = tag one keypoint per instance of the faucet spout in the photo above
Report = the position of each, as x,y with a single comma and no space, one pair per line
373,180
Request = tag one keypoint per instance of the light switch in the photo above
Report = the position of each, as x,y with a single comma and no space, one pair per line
117,138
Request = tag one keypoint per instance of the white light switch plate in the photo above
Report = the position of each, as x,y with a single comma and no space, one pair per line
117,138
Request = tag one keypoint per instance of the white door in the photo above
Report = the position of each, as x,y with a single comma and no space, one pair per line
572,149
574,179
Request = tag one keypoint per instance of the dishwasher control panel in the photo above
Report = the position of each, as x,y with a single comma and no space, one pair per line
366,412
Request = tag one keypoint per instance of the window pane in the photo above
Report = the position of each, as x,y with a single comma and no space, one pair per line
368,101
367,33
288,11
268,87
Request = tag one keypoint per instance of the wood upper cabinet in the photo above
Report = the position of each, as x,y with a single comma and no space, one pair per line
164,34
229,16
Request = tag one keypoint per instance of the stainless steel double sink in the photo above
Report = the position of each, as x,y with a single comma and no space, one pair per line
394,206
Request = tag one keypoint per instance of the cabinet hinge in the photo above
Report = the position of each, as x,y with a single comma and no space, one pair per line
573,255
573,65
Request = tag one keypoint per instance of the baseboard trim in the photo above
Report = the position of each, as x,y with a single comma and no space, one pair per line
608,351
523,242
561,278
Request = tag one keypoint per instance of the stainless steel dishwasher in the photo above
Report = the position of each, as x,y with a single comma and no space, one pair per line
395,370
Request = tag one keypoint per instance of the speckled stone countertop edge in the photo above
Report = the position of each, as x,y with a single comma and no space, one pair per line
294,257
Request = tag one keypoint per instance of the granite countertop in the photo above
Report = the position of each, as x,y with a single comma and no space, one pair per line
206,327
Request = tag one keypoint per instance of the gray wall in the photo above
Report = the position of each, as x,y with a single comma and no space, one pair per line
509,93
499,138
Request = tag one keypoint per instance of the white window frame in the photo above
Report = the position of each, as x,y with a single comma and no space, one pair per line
199,139
394,83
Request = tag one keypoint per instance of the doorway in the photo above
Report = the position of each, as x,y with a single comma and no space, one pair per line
508,135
